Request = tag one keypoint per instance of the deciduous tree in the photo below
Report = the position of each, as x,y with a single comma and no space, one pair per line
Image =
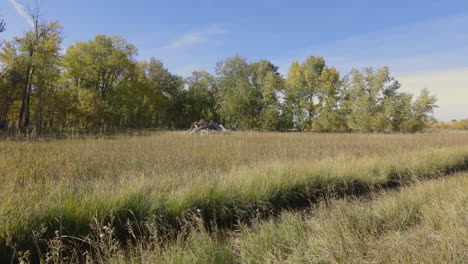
301,94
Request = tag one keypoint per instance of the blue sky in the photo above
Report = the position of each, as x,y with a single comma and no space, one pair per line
425,43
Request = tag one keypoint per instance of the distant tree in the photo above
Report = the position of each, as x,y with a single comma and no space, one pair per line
30,69
164,87
301,94
267,79
368,94
132,101
328,115
399,112
100,64
202,95
101,83
423,110
10,81
47,74
240,101
96,70
161,78
29,46
373,103
249,93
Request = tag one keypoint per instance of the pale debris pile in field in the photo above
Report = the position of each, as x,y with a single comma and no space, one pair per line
206,127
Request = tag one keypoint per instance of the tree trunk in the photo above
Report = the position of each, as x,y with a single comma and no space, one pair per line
28,108
23,103
39,114
4,116
28,101
24,96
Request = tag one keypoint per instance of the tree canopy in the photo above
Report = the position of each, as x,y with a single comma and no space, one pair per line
101,83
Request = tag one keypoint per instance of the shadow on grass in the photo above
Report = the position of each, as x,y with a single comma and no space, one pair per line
216,213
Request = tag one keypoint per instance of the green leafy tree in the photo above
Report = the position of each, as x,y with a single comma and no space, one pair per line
400,112
11,84
99,66
423,110
328,116
301,94
47,75
165,87
35,48
368,94
30,68
240,100
267,79
135,101
202,95
100,83
373,103
249,93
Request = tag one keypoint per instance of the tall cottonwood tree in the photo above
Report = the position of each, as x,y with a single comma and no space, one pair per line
240,102
95,69
367,91
100,83
100,64
29,48
301,94
249,93
47,75
373,102
28,63
423,110
328,115
11,81
166,87
267,79
202,96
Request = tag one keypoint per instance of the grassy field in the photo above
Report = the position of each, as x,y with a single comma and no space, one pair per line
424,223
161,182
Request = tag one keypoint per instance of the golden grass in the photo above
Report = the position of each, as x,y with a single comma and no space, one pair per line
65,184
424,223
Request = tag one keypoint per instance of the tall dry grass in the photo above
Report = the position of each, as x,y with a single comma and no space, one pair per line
63,185
424,223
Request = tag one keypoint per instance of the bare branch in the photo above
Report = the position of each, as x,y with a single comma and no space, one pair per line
2,29
35,14
2,25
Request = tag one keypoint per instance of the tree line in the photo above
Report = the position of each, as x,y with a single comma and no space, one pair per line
100,83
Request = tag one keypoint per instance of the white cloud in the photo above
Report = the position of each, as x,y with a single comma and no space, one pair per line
450,87
429,45
430,54
195,37
22,12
